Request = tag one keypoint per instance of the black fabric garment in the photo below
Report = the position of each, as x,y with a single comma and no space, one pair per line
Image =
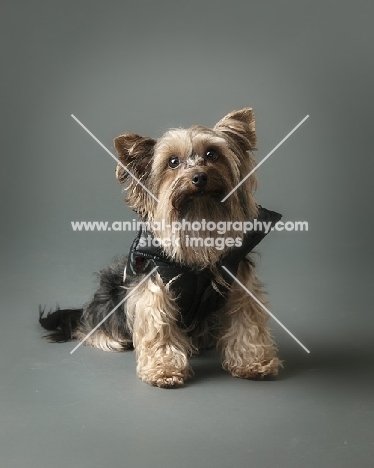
197,292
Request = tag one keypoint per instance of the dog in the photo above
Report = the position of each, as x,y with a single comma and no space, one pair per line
182,291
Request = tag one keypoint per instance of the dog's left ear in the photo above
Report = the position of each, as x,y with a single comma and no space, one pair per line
240,125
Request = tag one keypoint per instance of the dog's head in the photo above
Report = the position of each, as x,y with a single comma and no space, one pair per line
190,171
187,169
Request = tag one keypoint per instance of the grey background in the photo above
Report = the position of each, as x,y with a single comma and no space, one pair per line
145,67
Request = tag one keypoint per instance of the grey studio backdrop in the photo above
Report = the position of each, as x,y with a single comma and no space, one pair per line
144,67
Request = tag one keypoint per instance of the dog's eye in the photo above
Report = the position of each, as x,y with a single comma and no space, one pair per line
174,162
211,155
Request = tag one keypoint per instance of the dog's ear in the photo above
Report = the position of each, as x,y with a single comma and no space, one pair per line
240,125
135,152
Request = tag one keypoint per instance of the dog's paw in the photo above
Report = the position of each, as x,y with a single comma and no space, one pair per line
165,378
257,370
170,382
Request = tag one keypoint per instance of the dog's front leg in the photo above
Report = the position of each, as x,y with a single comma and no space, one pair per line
162,348
247,347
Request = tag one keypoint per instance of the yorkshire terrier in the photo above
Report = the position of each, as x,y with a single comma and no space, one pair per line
190,301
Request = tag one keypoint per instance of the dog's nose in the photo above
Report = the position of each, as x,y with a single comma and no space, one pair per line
199,179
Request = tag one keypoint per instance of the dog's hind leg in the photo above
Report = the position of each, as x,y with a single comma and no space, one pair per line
110,329
107,330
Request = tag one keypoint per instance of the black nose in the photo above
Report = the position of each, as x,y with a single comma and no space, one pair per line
199,179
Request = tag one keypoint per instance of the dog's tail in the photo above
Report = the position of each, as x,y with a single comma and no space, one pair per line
62,323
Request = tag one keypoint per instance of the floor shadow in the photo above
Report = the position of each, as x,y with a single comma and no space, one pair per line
334,359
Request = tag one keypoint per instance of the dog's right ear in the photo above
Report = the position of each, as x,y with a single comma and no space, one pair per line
135,152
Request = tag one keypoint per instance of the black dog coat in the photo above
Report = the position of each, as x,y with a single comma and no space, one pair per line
197,292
